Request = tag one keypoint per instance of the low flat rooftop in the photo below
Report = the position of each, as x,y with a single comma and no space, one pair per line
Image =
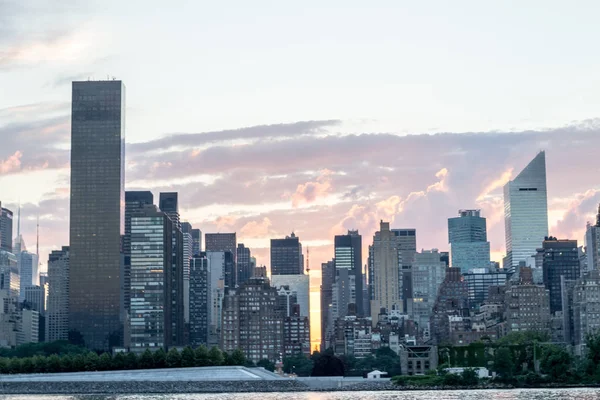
158,375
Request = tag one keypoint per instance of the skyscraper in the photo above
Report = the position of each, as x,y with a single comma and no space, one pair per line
225,242
561,259
197,241
97,168
286,256
6,229
57,322
199,300
407,245
156,295
168,203
526,212
385,285
28,271
244,264
327,280
467,235
188,252
428,273
348,267
592,244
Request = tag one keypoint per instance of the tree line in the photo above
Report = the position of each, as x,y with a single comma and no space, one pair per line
82,360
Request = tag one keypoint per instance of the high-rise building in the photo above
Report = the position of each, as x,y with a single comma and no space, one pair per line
592,244
586,307
244,264
156,280
348,265
253,322
216,264
527,306
286,256
28,271
300,285
135,201
561,258
467,235
327,281
526,213
296,333
199,299
224,242
197,241
407,241
57,322
9,274
188,252
97,168
480,280
452,301
428,273
386,291
168,203
6,229
35,297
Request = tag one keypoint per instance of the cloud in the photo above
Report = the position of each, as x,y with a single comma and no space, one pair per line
308,192
581,210
11,164
257,229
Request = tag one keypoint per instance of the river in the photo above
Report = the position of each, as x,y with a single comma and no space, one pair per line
517,394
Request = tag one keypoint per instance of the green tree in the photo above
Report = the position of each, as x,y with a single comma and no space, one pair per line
266,364
201,356
66,363
593,353
118,361
188,358
173,358
160,358
523,337
469,377
146,360
39,364
215,356
4,365
556,363
238,357
91,361
452,380
105,362
131,361
53,363
79,363
15,366
503,362
27,365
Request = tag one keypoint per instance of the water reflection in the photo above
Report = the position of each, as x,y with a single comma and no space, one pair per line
530,394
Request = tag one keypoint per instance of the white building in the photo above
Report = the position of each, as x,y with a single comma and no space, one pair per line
526,212
299,284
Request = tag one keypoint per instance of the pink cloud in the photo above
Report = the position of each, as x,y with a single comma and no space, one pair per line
11,164
308,192
257,229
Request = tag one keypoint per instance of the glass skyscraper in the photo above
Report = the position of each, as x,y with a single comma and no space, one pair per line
526,213
97,207
286,256
348,265
467,235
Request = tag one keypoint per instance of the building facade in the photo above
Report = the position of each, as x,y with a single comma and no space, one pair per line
348,266
244,264
561,258
479,281
97,168
57,322
467,235
286,256
526,212
6,229
300,285
200,291
386,267
527,308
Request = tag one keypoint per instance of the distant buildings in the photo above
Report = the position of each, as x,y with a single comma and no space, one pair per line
526,213
286,256
479,281
57,322
428,273
385,275
200,297
97,167
467,235
348,284
28,271
245,267
527,307
300,285
227,243
6,229
327,281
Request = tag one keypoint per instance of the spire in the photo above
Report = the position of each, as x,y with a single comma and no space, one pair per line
37,242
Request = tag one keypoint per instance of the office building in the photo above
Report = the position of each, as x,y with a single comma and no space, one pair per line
35,297
168,203
9,274
327,281
244,264
479,281
197,241
300,285
28,271
217,265
407,242
428,273
188,252
224,242
385,285
200,291
97,168
57,322
467,235
156,307
348,265
286,256
526,213
135,202
252,321
6,229
560,258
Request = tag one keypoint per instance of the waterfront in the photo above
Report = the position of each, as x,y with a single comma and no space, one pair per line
516,394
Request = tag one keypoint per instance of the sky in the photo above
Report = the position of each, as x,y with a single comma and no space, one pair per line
315,117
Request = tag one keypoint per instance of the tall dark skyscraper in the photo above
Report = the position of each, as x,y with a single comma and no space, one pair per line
348,267
561,259
196,241
97,196
286,256
244,264
6,229
200,306
134,204
169,205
